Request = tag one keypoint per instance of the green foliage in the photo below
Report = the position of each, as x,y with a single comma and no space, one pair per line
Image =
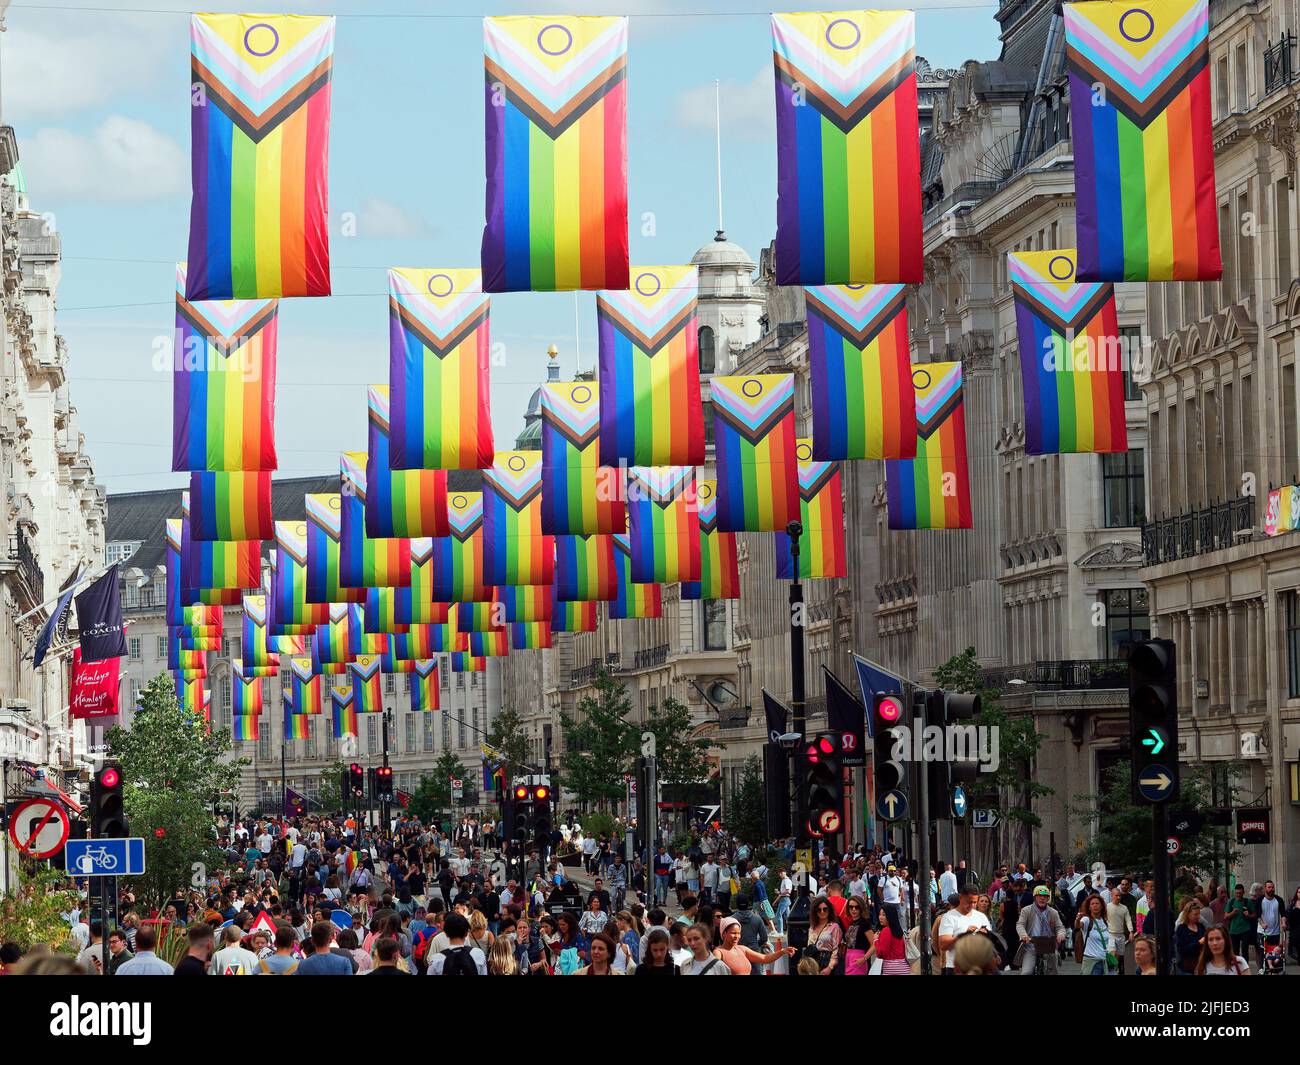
598,824
746,813
1018,742
33,912
330,795
172,764
507,738
172,946
431,801
1121,834
599,744
678,758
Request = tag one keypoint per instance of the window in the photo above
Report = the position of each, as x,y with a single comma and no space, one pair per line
133,648
1130,350
225,693
410,732
1241,99
390,684
428,731
1221,87
264,741
1127,621
706,349
715,624
230,646
372,733
1292,600
135,693
162,647
1124,489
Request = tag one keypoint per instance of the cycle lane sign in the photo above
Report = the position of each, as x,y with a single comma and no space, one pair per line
39,828
104,857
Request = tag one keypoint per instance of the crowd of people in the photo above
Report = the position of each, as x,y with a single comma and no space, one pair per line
304,897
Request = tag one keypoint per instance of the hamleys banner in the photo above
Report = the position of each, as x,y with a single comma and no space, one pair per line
94,687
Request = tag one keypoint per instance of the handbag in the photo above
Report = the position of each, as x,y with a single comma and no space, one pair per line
855,962
1079,943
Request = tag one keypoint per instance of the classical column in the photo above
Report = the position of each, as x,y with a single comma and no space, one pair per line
1234,648
1252,653
1193,658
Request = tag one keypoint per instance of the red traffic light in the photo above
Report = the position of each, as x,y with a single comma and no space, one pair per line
890,708
109,777
384,771
541,793
521,792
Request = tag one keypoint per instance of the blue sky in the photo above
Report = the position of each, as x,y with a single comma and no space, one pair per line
99,100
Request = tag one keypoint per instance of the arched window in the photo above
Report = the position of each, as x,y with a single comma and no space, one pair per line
706,349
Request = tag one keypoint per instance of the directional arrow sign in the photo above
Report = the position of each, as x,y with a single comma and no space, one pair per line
892,806
1155,739
958,803
1155,784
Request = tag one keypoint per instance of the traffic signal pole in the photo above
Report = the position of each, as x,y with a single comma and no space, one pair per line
383,802
923,837
799,778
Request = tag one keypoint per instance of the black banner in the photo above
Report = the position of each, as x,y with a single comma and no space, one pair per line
99,617
845,716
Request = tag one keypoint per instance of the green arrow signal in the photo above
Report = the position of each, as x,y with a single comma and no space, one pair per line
1155,741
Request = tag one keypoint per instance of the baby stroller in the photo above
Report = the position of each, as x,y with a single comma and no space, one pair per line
1274,962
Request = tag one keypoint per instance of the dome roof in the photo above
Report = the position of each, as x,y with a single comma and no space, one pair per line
722,252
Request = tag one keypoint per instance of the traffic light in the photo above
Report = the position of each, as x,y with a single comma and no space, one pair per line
523,813
107,814
824,773
542,814
384,783
356,780
776,788
946,709
887,711
1153,720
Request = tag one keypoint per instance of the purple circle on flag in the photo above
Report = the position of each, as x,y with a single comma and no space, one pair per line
1069,267
568,43
752,388
920,378
641,277
1151,25
581,394
275,39
451,285
857,34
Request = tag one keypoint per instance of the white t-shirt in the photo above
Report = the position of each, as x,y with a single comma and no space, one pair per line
709,875
954,923
297,856
1239,968
264,843
436,961
891,889
691,967
234,961
947,883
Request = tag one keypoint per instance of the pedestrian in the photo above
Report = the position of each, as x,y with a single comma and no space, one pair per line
656,958
323,961
740,959
1271,915
1144,956
702,961
195,962
145,962
1241,919
825,935
1216,957
1189,937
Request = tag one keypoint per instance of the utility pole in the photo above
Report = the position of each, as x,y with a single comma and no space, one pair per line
922,880
799,724
383,802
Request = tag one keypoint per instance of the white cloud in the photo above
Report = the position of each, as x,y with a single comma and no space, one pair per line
122,159
60,63
382,219
748,108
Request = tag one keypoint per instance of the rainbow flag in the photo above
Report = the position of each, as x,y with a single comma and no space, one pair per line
758,477
1071,365
344,711
463,662
296,726
424,641
324,539
848,159
419,605
193,696
253,633
577,615
480,617
189,642
381,609
243,671
932,491
178,657
244,727
246,696
719,567
394,659
438,370
424,686
223,383
305,685
457,564
191,674
1145,198
579,495
556,106
861,372
287,644
367,687
178,597
289,612
523,602
401,503
663,524
484,644
364,561
651,413
219,563
199,619
332,642
822,550
634,600
259,150
514,549
584,568
230,505
529,635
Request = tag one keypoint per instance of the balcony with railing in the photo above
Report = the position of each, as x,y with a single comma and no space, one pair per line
1068,674
29,567
1198,532
650,656
1279,64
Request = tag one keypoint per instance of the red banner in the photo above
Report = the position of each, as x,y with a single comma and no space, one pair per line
94,687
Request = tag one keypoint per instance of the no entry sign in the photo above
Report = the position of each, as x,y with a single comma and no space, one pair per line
39,828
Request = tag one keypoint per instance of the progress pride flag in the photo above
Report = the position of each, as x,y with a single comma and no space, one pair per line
94,687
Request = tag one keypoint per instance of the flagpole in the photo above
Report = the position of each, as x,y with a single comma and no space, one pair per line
90,575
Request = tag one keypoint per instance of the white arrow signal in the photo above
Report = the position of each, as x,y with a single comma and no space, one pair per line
1160,781
891,801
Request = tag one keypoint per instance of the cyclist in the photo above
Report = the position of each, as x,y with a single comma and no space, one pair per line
618,882
1037,925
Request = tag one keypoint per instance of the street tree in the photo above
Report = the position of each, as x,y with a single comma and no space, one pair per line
746,813
679,759
599,743
172,763
507,738
431,801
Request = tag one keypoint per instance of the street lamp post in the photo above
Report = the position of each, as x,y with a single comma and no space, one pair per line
799,725
383,802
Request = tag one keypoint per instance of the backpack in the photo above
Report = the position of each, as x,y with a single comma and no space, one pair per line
458,961
421,949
